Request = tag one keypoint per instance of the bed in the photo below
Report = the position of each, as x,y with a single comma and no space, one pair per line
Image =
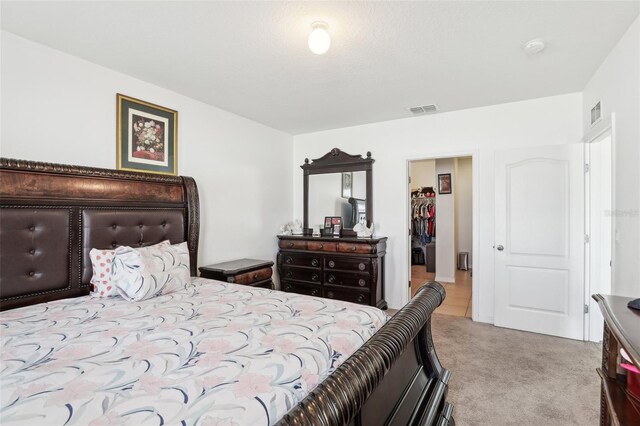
213,353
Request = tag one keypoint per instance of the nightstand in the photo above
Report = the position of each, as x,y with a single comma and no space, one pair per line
253,272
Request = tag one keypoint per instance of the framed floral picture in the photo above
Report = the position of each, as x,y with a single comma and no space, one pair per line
147,137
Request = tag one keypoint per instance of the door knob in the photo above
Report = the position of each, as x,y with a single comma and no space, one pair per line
500,248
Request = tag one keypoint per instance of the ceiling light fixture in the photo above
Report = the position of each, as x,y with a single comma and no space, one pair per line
534,46
319,39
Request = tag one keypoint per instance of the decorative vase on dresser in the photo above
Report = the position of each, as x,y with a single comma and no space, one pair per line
349,269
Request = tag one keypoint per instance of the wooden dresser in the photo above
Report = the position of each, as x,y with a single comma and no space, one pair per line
618,406
349,269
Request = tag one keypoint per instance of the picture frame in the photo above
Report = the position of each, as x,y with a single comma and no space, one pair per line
328,229
444,183
347,184
147,137
332,225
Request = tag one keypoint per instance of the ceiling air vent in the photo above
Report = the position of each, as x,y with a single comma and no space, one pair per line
424,109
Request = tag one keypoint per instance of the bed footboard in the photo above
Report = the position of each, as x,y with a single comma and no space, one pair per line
393,379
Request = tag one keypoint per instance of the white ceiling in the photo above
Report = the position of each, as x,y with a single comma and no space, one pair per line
251,58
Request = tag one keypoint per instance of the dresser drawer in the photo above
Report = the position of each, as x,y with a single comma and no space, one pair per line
253,276
322,246
309,290
358,248
347,263
351,279
361,297
292,245
299,274
306,260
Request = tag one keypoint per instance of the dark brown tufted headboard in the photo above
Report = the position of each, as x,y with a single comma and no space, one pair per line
52,215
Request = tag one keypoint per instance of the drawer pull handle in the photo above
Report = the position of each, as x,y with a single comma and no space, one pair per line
255,276
332,264
289,274
314,277
291,244
330,295
361,298
314,262
332,279
361,266
361,282
314,292
353,248
288,260
321,246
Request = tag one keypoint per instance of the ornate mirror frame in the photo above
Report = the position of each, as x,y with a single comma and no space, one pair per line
336,161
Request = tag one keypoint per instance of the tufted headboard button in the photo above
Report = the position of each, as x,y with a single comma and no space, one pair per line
32,251
164,224
32,228
114,226
31,273
140,226
114,244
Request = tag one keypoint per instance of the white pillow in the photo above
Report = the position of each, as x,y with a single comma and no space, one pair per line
143,273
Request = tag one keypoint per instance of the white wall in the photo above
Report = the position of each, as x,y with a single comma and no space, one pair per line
59,108
445,225
479,131
617,84
464,203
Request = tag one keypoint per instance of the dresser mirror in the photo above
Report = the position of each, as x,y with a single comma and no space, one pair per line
338,184
336,194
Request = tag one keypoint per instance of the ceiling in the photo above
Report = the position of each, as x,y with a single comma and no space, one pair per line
251,58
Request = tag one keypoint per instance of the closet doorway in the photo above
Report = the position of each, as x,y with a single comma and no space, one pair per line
441,229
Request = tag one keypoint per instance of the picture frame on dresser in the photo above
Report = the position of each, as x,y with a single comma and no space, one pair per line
147,136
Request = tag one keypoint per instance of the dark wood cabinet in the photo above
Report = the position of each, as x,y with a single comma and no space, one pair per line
349,269
253,272
618,406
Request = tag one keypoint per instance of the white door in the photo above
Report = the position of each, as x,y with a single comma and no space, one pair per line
539,242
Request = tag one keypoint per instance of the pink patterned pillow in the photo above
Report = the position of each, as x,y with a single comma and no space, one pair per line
102,265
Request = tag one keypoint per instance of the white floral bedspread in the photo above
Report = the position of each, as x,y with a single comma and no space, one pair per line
212,354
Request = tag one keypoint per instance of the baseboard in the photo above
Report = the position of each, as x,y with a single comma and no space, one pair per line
445,279
483,318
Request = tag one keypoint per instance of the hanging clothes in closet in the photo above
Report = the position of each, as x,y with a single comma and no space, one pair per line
423,221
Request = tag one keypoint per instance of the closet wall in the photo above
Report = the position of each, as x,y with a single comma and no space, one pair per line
445,223
463,193
423,173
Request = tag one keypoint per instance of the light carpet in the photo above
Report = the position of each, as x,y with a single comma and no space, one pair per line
508,377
